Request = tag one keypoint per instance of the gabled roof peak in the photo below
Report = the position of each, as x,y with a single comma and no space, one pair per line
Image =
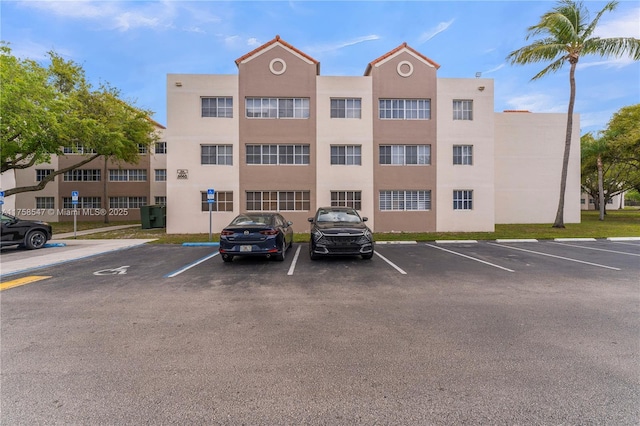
277,40
403,47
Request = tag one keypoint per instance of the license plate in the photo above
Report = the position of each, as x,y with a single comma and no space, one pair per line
245,248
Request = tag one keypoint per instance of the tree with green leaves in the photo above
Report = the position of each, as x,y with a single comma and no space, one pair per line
45,109
567,35
611,161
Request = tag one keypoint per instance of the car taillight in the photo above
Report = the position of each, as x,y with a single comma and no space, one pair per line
269,232
227,233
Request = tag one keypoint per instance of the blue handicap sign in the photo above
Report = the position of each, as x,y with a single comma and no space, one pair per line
74,197
1,198
211,196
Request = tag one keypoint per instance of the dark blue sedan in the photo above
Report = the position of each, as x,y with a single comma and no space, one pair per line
256,234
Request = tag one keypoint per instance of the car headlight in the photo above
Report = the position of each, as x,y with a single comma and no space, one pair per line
368,235
317,235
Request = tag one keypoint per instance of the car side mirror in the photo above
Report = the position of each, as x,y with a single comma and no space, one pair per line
364,219
289,223
310,219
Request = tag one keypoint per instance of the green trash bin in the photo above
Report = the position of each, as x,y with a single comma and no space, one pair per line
158,216
145,216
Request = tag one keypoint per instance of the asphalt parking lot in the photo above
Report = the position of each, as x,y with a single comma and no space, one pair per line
429,333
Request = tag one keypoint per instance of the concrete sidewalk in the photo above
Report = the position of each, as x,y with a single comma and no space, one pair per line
93,231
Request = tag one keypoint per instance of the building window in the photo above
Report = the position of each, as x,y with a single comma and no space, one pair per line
278,154
346,108
463,199
83,203
160,148
161,175
346,154
127,175
216,154
221,107
45,202
405,109
405,200
223,202
160,200
277,107
142,149
351,199
42,173
463,110
463,154
82,175
405,154
278,200
127,202
77,148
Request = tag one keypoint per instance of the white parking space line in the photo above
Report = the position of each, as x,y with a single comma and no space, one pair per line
557,257
293,263
628,244
472,258
599,249
396,267
189,266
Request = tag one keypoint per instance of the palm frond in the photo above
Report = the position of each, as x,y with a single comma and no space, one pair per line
615,47
609,7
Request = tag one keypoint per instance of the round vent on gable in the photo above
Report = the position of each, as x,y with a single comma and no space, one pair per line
277,66
405,68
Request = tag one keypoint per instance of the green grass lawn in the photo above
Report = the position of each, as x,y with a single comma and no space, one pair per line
617,223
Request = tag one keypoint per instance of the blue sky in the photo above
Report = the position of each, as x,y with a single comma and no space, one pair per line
133,45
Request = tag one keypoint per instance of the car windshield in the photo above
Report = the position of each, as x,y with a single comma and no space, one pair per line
252,220
349,216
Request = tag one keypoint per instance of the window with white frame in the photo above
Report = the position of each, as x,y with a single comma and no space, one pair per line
404,109
127,175
463,154
82,175
277,107
160,148
351,199
223,201
463,199
42,174
278,154
405,200
83,203
346,154
462,109
45,202
77,148
278,200
160,175
221,155
142,149
160,200
220,107
405,154
346,108
127,202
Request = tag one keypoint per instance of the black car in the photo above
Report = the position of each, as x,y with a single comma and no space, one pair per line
256,234
28,233
339,231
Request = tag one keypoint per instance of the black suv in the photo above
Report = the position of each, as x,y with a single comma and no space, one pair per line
339,231
29,233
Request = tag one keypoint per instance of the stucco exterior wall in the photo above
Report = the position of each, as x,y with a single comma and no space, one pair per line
186,131
528,165
345,131
479,176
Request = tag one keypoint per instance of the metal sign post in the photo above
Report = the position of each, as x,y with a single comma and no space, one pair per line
74,201
210,200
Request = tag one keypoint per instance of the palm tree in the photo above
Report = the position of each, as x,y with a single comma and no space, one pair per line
568,35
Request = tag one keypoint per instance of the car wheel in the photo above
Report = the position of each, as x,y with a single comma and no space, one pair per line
280,257
367,256
227,258
35,240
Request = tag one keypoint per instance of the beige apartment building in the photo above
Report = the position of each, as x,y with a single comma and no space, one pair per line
119,189
409,150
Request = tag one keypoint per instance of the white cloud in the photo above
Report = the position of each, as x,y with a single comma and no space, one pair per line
494,69
622,26
607,63
432,32
252,41
341,44
536,102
